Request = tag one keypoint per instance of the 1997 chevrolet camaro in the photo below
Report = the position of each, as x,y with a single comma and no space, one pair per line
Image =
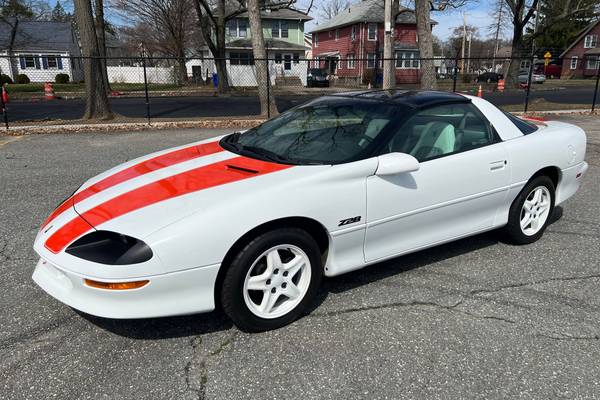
252,221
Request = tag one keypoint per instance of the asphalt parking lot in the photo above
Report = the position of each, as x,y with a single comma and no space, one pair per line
476,318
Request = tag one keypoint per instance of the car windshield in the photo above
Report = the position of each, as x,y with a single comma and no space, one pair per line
317,72
329,130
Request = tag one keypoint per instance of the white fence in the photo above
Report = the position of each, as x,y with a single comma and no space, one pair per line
245,75
136,74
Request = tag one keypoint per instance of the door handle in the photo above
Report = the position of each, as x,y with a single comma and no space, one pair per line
497,165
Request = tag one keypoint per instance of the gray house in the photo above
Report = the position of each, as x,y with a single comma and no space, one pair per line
39,49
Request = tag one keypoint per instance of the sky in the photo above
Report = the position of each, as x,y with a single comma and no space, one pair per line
479,14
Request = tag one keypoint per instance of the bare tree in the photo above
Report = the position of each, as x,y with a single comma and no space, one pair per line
170,22
330,8
212,18
267,103
96,104
500,24
522,12
428,78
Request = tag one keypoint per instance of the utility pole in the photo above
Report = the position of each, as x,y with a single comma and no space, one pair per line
497,36
464,38
389,75
470,39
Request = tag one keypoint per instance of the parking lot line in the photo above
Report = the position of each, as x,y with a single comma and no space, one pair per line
9,139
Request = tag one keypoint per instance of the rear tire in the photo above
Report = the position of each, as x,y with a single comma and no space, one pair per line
530,211
272,280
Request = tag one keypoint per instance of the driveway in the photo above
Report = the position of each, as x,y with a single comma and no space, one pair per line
476,318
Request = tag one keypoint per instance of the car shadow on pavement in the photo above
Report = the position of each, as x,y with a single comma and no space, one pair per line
199,324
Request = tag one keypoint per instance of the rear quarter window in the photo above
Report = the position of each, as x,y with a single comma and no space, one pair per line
524,126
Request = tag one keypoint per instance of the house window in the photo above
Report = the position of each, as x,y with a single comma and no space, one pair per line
337,34
593,63
236,28
353,33
50,62
351,61
524,64
371,60
241,59
574,62
242,28
372,36
278,58
296,58
29,61
407,59
279,29
590,41
316,39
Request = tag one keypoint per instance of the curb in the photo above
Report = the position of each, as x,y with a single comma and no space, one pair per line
129,127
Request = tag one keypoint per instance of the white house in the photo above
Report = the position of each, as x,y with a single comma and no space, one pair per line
39,49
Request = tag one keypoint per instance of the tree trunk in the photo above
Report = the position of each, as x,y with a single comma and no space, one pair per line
517,51
267,100
182,75
389,70
216,42
96,97
428,79
101,34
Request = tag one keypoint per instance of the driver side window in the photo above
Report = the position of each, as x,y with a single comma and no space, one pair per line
442,130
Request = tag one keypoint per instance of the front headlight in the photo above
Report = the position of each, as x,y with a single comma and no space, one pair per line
110,248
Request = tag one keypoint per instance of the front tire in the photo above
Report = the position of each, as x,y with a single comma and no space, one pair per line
272,280
531,210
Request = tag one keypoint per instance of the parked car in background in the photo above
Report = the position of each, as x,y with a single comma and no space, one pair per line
550,71
535,77
317,77
489,77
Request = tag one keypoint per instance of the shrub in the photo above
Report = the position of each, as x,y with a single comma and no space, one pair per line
61,78
22,78
5,79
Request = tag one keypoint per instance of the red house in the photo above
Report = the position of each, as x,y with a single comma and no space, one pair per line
351,44
582,57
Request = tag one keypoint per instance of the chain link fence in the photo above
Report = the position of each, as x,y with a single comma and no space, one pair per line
50,89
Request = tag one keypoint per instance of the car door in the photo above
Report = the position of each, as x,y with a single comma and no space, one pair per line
461,183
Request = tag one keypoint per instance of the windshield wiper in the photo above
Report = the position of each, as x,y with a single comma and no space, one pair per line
267,154
233,141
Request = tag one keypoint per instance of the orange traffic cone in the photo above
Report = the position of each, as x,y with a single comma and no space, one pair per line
49,91
479,92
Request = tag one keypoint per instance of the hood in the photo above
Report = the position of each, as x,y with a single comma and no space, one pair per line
141,196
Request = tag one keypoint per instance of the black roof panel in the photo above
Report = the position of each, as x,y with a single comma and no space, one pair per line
414,98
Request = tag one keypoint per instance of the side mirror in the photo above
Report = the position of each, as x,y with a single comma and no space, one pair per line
396,163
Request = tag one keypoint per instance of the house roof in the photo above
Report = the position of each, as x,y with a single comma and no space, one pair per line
580,37
366,11
282,13
271,44
36,35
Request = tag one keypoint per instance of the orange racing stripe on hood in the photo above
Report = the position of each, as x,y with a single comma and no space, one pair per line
219,173
144,167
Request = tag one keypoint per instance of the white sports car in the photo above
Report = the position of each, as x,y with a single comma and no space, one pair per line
252,221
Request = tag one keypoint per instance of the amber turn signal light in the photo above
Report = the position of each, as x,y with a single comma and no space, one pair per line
115,285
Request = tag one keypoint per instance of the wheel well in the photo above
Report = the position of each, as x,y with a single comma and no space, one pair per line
551,172
312,227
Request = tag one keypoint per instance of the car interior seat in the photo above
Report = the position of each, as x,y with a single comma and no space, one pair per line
436,138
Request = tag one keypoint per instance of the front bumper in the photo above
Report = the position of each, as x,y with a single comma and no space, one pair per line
177,293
